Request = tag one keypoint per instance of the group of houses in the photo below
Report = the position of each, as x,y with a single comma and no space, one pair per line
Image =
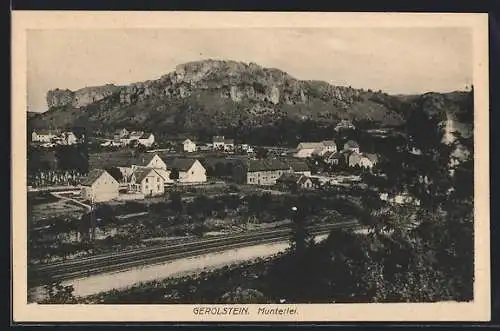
350,155
124,137
219,143
146,176
50,138
270,171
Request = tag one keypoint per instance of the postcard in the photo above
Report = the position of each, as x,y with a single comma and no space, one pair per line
250,166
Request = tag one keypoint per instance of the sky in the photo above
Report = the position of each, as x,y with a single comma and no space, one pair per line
394,60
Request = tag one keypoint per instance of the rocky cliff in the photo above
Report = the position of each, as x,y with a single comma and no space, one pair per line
212,93
79,98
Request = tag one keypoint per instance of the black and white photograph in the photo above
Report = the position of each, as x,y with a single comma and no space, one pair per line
248,171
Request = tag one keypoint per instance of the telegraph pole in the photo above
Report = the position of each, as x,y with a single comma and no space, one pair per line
92,219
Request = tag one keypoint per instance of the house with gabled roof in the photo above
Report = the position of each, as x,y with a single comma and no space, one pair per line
308,149
42,135
150,160
299,166
218,142
352,146
260,171
190,170
147,139
188,146
147,181
295,182
99,186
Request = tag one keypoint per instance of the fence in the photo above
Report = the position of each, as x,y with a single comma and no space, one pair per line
54,177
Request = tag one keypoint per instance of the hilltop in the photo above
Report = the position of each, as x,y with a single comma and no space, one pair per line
213,95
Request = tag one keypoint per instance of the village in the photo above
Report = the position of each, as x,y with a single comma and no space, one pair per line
151,171
140,192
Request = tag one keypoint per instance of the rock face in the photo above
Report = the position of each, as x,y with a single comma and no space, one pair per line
79,98
213,93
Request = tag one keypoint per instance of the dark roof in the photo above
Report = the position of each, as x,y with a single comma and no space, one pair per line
93,175
182,164
303,179
141,173
46,132
290,178
298,165
266,165
123,158
351,144
143,159
329,143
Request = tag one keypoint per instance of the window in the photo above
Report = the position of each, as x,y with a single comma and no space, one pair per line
157,179
146,180
192,172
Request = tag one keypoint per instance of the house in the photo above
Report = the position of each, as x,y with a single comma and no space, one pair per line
351,145
218,142
299,167
328,146
295,182
146,139
120,134
354,159
336,158
260,172
228,145
362,160
190,170
344,125
68,138
368,160
45,136
189,146
99,186
132,136
147,181
150,160
308,149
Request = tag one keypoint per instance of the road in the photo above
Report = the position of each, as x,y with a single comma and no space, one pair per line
119,261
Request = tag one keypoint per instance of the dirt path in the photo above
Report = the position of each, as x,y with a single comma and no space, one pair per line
88,208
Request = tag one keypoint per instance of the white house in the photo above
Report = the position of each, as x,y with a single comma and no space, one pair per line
69,138
45,136
146,139
218,142
99,186
147,181
228,145
190,170
189,146
308,149
351,145
151,160
344,124
120,134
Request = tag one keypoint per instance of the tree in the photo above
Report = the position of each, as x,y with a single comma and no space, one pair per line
261,152
174,174
176,202
58,293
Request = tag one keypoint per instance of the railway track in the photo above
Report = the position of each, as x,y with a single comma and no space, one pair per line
124,260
